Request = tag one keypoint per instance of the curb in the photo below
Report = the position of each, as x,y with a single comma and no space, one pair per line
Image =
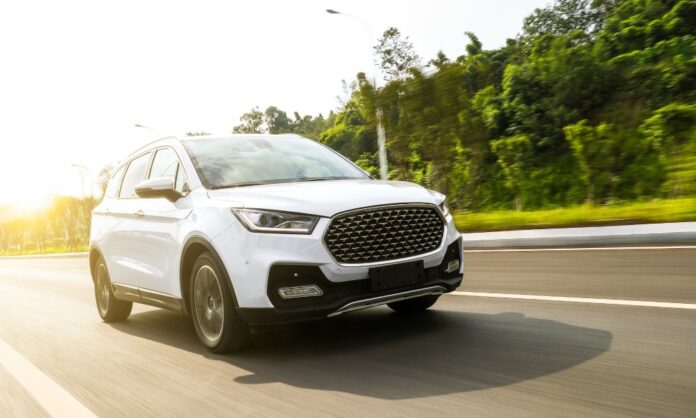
665,233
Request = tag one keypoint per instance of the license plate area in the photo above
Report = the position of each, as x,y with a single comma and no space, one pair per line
397,275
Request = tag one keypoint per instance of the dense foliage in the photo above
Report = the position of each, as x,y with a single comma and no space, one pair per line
593,102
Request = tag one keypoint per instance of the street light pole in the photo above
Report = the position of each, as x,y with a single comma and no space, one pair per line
82,169
381,135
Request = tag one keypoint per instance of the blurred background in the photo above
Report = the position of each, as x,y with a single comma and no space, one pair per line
526,114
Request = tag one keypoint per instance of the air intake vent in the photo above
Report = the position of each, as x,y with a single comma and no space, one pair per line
384,233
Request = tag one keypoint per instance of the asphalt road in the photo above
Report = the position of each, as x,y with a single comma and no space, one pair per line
469,356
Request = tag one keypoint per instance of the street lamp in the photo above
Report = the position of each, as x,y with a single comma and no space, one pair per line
381,136
137,125
83,169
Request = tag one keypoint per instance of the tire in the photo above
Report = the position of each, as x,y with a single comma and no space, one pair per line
110,309
414,305
213,308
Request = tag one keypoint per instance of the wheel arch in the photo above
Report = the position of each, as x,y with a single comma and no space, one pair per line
194,247
94,255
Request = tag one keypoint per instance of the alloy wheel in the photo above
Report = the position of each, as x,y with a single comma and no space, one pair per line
208,303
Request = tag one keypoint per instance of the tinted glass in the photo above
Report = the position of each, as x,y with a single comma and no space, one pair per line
136,172
165,164
229,162
114,183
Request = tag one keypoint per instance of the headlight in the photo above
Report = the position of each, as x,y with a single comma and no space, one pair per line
443,202
258,220
443,208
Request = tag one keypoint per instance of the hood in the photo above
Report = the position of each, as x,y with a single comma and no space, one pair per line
324,198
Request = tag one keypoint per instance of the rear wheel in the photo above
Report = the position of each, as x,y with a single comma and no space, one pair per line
213,310
418,304
110,309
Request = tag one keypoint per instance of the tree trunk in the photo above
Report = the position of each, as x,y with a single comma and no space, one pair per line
590,194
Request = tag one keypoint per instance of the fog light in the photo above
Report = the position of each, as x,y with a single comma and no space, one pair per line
300,292
452,266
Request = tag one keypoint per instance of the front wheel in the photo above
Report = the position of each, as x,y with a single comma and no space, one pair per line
110,309
213,310
414,305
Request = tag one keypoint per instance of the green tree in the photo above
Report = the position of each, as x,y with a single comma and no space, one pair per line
276,121
396,55
514,154
103,178
560,84
673,129
251,122
592,147
565,16
672,125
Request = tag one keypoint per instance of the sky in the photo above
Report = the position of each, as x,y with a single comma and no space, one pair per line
76,76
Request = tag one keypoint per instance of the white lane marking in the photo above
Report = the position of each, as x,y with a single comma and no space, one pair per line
514,250
580,300
53,398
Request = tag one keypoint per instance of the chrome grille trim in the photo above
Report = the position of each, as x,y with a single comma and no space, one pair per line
414,230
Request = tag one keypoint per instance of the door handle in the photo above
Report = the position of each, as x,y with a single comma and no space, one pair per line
139,214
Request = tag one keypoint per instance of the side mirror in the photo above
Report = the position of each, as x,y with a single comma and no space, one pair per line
158,187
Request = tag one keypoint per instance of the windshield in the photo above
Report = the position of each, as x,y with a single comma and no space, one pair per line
245,161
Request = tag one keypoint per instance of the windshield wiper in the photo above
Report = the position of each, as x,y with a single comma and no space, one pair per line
230,186
323,178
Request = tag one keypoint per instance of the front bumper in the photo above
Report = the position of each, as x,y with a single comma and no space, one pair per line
341,297
251,260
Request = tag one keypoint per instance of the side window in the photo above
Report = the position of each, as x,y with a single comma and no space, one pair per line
114,184
166,164
136,172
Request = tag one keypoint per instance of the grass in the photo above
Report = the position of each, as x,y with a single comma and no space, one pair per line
45,250
654,211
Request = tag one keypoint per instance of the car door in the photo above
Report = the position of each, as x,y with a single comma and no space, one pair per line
106,228
157,228
125,264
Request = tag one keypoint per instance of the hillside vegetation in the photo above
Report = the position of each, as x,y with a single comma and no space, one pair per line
592,103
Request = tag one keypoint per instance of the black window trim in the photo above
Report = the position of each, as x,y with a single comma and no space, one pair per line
147,172
112,177
152,152
178,160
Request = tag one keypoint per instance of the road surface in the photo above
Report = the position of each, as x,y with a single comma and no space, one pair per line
469,356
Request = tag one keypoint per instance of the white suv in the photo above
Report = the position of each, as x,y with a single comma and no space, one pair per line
248,230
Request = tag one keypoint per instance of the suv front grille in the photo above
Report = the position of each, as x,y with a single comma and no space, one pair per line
384,233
